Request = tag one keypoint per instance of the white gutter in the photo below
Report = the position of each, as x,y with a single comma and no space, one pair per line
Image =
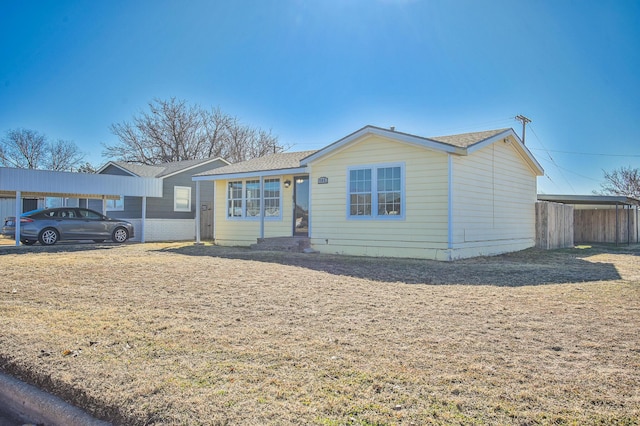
264,173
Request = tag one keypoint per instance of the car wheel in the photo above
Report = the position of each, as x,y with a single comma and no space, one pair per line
120,235
28,242
48,236
98,241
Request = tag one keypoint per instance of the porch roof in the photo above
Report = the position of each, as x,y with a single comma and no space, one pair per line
273,164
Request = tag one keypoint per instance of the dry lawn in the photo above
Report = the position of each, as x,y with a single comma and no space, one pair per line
184,334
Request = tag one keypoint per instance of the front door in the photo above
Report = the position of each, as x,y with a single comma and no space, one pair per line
301,203
206,220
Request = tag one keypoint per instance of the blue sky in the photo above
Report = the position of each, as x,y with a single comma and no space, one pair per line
315,71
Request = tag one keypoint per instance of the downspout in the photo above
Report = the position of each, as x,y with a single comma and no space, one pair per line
309,215
628,225
198,212
213,208
18,213
617,225
261,207
450,203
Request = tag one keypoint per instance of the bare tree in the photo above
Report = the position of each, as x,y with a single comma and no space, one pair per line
63,155
28,149
173,131
23,148
623,181
87,167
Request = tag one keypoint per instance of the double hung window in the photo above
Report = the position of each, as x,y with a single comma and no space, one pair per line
181,198
244,197
376,192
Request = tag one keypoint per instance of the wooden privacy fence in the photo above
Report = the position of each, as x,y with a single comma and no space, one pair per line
554,225
618,226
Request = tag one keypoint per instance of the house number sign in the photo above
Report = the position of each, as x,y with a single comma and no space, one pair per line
322,180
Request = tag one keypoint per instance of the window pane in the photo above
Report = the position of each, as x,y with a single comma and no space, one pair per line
235,199
389,191
271,197
360,192
181,198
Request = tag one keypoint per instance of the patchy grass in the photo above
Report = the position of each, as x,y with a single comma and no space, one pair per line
184,334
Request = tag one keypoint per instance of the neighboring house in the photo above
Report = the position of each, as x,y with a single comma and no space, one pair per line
379,192
170,217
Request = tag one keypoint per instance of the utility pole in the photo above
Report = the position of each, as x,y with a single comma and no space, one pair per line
524,121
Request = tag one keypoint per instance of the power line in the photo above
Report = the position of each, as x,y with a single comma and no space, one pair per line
552,160
587,153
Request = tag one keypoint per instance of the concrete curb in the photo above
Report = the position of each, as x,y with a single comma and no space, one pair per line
28,402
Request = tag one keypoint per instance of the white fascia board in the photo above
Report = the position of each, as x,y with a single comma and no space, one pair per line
111,163
510,135
266,173
388,134
177,172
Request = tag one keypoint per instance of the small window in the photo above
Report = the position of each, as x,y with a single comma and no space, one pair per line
252,197
235,199
115,205
271,197
182,198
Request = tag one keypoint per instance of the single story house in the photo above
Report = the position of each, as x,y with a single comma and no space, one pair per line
170,217
380,192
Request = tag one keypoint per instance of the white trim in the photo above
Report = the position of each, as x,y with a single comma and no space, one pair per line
397,136
186,169
374,192
450,203
521,148
111,163
175,199
255,174
198,208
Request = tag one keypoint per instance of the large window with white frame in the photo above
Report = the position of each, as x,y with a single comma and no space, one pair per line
244,197
182,198
376,192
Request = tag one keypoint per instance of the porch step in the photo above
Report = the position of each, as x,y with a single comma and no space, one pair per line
294,244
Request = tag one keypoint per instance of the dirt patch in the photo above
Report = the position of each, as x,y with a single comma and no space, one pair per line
184,334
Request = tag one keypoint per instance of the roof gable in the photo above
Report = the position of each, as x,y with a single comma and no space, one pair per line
461,144
162,170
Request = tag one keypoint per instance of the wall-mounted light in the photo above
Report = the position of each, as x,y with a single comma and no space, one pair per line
287,183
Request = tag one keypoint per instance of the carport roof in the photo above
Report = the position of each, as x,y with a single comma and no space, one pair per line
40,183
590,199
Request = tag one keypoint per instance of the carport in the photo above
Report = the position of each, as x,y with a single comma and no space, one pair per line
19,183
601,218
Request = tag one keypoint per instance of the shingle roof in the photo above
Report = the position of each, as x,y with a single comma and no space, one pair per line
280,161
465,140
159,170
291,160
